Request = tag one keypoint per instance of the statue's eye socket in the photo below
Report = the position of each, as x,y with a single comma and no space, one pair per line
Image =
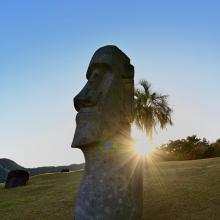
96,75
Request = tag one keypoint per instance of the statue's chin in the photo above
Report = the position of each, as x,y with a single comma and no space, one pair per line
92,127
83,140
87,132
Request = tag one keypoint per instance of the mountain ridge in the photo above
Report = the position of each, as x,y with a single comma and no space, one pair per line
6,165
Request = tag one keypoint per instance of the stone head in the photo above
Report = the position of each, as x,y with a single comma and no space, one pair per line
105,104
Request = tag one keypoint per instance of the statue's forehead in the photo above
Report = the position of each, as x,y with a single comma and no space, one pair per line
112,58
101,68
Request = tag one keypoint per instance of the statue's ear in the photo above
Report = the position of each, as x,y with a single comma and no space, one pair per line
128,94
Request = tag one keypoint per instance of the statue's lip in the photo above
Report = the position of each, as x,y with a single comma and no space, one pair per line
88,113
88,110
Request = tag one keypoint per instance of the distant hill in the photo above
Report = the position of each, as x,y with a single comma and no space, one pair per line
7,165
54,169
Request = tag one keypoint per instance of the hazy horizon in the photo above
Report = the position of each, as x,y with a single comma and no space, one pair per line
45,50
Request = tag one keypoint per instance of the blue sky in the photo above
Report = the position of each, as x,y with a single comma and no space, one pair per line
45,48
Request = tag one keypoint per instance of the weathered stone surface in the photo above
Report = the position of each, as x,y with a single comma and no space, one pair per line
17,178
111,187
105,104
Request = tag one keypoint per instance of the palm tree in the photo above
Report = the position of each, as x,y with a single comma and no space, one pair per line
150,109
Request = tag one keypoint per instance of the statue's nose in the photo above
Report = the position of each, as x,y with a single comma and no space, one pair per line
86,98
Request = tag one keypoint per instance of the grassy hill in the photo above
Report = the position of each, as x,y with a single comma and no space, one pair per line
186,190
47,196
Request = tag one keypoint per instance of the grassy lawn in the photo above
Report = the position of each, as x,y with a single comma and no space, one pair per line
47,196
187,190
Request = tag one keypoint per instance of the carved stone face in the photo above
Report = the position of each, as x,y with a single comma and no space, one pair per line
104,104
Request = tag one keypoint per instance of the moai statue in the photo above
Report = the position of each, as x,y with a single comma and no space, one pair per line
112,186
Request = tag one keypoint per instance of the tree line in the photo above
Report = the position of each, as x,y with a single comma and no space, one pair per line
189,148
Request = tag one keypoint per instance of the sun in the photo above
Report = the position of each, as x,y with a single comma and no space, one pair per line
143,150
142,145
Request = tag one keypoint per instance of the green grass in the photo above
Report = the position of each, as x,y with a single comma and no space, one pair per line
183,190
186,190
47,196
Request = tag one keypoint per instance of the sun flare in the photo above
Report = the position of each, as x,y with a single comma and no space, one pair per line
142,145
143,150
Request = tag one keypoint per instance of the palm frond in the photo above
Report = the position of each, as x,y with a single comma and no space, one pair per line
151,109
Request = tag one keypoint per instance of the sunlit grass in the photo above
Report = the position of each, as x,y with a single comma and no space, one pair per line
172,190
47,197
